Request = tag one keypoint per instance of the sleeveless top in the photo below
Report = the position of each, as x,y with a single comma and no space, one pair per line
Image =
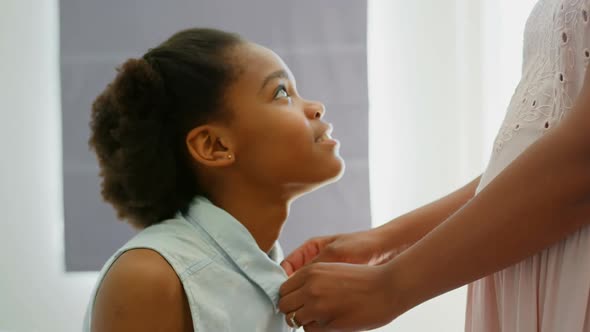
230,283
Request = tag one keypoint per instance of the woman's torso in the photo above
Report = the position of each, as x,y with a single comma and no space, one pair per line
548,291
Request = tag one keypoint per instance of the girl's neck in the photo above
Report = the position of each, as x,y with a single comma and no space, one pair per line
263,214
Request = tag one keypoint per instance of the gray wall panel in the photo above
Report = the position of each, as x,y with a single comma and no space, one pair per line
322,41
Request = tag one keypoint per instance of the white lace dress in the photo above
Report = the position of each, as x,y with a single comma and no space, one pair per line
549,291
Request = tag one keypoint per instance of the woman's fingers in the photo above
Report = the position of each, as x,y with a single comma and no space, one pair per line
295,260
291,303
305,254
316,327
349,297
300,317
288,267
291,292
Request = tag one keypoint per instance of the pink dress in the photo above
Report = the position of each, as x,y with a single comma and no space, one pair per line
549,291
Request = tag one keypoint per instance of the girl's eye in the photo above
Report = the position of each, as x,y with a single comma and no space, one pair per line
281,93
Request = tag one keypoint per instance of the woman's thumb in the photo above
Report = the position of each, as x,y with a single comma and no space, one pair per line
328,255
286,265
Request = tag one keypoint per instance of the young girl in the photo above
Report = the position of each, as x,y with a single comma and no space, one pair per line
523,242
203,143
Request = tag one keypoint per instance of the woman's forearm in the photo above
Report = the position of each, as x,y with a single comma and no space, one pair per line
542,197
412,226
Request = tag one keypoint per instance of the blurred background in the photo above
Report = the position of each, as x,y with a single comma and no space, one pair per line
416,91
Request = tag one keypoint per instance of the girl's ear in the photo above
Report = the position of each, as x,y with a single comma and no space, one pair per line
211,146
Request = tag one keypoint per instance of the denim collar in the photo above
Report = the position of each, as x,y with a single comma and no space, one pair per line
261,268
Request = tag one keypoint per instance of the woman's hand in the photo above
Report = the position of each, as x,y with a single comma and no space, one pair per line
366,247
380,245
340,297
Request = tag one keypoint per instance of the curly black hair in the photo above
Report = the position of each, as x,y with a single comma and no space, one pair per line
140,121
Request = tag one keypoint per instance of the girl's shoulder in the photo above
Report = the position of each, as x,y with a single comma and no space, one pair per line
141,291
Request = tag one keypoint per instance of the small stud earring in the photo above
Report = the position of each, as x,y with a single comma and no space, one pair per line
229,156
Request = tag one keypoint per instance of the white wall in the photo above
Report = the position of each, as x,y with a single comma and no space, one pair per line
417,98
35,293
441,74
503,23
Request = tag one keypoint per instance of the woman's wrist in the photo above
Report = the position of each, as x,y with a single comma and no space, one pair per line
403,231
392,239
398,286
402,287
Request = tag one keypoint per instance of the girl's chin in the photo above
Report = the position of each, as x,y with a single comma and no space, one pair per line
332,171
339,169
335,173
324,173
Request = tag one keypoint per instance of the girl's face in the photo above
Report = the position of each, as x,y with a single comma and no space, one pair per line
279,138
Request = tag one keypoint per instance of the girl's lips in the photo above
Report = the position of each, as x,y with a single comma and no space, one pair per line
327,141
325,134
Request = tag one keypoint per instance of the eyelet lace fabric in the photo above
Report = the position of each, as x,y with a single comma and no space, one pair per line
556,53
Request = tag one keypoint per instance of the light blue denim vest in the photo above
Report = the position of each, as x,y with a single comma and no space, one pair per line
230,283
